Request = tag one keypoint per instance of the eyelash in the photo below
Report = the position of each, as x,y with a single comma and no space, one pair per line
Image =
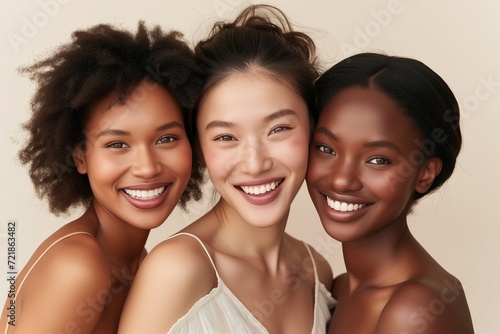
379,160
384,161
121,145
280,128
277,129
224,138
325,149
170,139
115,145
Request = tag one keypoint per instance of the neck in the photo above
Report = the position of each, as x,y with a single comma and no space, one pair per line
123,244
379,259
261,245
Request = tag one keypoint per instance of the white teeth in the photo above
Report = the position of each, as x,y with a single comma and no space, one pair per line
262,189
343,206
145,194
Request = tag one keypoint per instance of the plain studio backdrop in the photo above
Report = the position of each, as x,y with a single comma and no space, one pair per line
458,224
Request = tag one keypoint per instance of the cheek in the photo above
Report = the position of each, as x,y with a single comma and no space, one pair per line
101,167
315,169
182,161
391,185
218,161
296,152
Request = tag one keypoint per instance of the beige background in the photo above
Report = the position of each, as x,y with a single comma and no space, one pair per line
458,39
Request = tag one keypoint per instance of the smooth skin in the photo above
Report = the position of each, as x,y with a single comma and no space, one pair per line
140,145
254,131
364,156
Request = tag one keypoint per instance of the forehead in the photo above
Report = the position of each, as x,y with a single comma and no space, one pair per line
249,95
367,111
146,98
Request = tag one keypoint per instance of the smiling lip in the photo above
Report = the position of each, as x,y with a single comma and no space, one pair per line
146,197
145,194
262,188
345,210
261,193
343,206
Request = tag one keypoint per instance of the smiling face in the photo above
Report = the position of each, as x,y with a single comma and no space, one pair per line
363,166
137,156
254,136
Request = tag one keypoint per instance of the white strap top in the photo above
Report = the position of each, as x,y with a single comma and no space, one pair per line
220,311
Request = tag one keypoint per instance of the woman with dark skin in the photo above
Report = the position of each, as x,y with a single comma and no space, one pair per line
236,270
388,134
107,133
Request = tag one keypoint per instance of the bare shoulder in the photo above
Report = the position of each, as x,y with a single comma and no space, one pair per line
178,264
185,254
76,260
427,306
68,274
338,284
172,278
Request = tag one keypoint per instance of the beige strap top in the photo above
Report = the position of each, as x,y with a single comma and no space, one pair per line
19,287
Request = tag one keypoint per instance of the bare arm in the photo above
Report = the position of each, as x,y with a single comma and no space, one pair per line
171,279
63,291
418,308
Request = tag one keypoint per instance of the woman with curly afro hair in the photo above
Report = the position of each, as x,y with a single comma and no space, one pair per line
108,132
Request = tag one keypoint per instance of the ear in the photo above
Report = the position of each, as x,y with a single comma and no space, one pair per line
428,172
79,159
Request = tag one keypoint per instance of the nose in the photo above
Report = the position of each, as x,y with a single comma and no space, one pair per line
255,158
146,163
344,176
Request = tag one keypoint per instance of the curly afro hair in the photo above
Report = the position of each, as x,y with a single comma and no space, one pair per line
98,61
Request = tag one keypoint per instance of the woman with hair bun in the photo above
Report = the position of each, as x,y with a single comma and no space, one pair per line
235,270
388,134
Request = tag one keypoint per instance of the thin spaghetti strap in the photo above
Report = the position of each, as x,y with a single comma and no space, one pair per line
202,245
312,260
45,251
38,260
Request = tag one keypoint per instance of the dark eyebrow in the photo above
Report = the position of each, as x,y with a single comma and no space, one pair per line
219,124
383,143
268,118
376,143
326,132
273,116
169,125
116,132
279,114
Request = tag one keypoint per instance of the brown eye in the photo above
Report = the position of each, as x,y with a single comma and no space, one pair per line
117,145
224,138
379,161
279,129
